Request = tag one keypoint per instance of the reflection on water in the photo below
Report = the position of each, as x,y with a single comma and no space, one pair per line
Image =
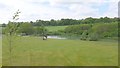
55,37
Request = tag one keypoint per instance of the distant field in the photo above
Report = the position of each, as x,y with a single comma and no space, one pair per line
33,51
55,28
50,28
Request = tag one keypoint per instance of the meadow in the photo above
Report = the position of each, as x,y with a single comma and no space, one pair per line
0,46
0,51
55,28
33,51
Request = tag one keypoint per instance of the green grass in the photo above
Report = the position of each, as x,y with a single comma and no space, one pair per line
33,51
0,30
55,28
0,46
0,52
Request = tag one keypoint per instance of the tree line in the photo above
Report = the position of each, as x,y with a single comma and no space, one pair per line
64,22
89,28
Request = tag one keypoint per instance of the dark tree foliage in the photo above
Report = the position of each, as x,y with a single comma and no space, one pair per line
77,29
64,22
26,28
3,25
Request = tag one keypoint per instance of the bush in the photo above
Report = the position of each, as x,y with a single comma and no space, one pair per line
26,28
3,30
39,31
93,37
106,30
77,29
84,35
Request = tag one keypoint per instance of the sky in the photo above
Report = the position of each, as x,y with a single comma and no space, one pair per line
32,10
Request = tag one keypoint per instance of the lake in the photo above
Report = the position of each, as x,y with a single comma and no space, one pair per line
56,37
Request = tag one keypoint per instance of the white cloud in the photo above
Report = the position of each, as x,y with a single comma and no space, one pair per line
82,9
112,10
55,9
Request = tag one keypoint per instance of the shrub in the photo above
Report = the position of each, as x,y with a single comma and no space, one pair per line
26,28
93,37
106,30
77,29
84,35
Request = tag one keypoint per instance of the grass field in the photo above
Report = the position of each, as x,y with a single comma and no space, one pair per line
33,51
0,52
0,46
55,28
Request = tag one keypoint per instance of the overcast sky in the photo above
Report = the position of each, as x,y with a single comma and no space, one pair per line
32,10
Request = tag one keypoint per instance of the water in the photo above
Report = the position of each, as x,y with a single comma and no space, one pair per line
56,37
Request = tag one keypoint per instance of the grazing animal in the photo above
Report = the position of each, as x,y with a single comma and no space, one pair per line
45,37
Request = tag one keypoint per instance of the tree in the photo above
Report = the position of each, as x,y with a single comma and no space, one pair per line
84,35
53,22
10,32
3,25
77,29
106,29
26,28
93,37
39,30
